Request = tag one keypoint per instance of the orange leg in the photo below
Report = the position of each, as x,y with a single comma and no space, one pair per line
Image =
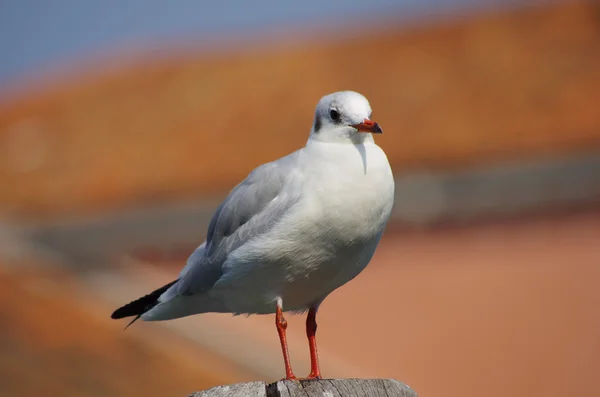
281,324
311,330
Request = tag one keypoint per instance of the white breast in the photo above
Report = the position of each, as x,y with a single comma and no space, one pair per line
349,199
352,186
326,240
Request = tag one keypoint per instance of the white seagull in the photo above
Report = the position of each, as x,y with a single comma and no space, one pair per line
292,232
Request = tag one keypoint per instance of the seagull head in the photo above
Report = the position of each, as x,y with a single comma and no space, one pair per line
344,117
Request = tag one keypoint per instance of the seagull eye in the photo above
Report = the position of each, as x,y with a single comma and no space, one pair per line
334,114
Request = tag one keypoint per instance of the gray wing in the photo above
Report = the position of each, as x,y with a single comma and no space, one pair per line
249,211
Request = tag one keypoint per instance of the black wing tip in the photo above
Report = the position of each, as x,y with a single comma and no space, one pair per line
141,305
120,313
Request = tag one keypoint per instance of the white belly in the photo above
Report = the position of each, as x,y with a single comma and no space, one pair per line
325,242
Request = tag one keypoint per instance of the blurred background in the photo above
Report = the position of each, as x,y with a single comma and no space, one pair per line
123,124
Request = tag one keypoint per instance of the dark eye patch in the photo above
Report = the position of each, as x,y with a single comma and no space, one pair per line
317,125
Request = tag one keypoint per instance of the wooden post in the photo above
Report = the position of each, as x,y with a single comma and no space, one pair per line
313,388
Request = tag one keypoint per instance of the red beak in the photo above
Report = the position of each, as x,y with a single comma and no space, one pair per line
368,126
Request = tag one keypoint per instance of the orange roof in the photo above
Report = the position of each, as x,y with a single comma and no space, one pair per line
519,83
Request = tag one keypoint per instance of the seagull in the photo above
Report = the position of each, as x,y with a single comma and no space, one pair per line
292,232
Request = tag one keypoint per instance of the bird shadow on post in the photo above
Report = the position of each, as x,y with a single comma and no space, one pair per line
313,388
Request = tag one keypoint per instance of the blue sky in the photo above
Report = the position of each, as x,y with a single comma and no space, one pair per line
40,35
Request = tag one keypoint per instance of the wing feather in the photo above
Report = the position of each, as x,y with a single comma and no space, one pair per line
249,211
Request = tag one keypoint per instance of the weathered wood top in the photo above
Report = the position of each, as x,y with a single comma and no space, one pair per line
313,388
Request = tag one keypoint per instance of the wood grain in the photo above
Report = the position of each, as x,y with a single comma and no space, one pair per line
313,388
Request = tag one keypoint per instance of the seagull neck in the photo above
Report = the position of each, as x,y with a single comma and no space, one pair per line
354,139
